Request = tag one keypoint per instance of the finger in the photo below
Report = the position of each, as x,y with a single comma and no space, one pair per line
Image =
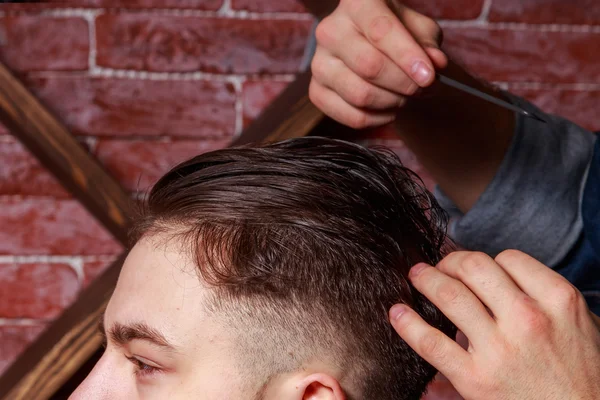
385,31
333,74
457,302
342,41
431,344
424,30
485,278
537,280
335,107
439,59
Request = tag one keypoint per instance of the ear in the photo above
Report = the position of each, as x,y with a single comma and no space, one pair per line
320,387
304,386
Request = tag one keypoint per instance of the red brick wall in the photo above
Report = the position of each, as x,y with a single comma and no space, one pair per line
154,83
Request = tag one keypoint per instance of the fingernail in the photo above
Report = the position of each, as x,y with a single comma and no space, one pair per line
417,269
421,73
397,311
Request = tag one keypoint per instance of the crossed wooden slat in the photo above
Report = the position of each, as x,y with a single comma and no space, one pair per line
63,355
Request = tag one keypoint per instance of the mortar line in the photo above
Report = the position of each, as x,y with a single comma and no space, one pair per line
519,26
91,20
24,321
224,12
238,85
225,7
485,11
575,86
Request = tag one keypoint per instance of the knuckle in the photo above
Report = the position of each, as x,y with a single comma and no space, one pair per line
369,65
509,256
532,320
431,344
448,293
318,67
567,296
325,33
362,96
409,87
358,121
473,263
379,28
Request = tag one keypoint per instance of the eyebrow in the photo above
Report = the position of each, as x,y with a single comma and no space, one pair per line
122,334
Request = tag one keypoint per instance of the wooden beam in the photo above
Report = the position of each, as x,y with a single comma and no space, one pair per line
48,362
60,358
61,350
62,155
290,115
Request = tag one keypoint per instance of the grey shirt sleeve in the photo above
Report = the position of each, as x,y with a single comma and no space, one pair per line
533,202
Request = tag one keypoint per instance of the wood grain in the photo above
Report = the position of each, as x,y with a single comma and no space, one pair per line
66,345
290,115
59,360
61,350
61,153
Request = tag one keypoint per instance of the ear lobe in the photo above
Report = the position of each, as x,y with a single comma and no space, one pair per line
321,387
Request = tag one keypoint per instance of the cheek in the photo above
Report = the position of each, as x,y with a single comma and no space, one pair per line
110,379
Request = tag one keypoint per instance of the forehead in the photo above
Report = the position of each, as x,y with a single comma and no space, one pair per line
159,285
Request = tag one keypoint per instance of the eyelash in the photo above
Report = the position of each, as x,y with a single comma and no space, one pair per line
142,369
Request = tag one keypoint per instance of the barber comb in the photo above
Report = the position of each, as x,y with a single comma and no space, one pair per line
484,96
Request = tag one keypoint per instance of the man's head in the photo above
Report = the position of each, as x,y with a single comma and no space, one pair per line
268,273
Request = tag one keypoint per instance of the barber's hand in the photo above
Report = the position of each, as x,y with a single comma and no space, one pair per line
540,342
369,57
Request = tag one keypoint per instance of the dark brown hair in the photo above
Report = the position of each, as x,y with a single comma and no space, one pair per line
307,243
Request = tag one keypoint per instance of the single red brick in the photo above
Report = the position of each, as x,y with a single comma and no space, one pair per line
257,95
93,269
180,44
50,226
138,164
21,173
121,107
212,5
36,290
578,106
42,43
444,9
546,11
526,55
268,5
14,339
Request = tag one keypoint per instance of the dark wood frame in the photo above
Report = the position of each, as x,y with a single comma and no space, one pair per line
63,355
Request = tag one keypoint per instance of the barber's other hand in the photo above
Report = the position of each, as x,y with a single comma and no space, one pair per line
540,342
369,57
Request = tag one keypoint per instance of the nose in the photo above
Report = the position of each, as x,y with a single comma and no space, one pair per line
105,381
